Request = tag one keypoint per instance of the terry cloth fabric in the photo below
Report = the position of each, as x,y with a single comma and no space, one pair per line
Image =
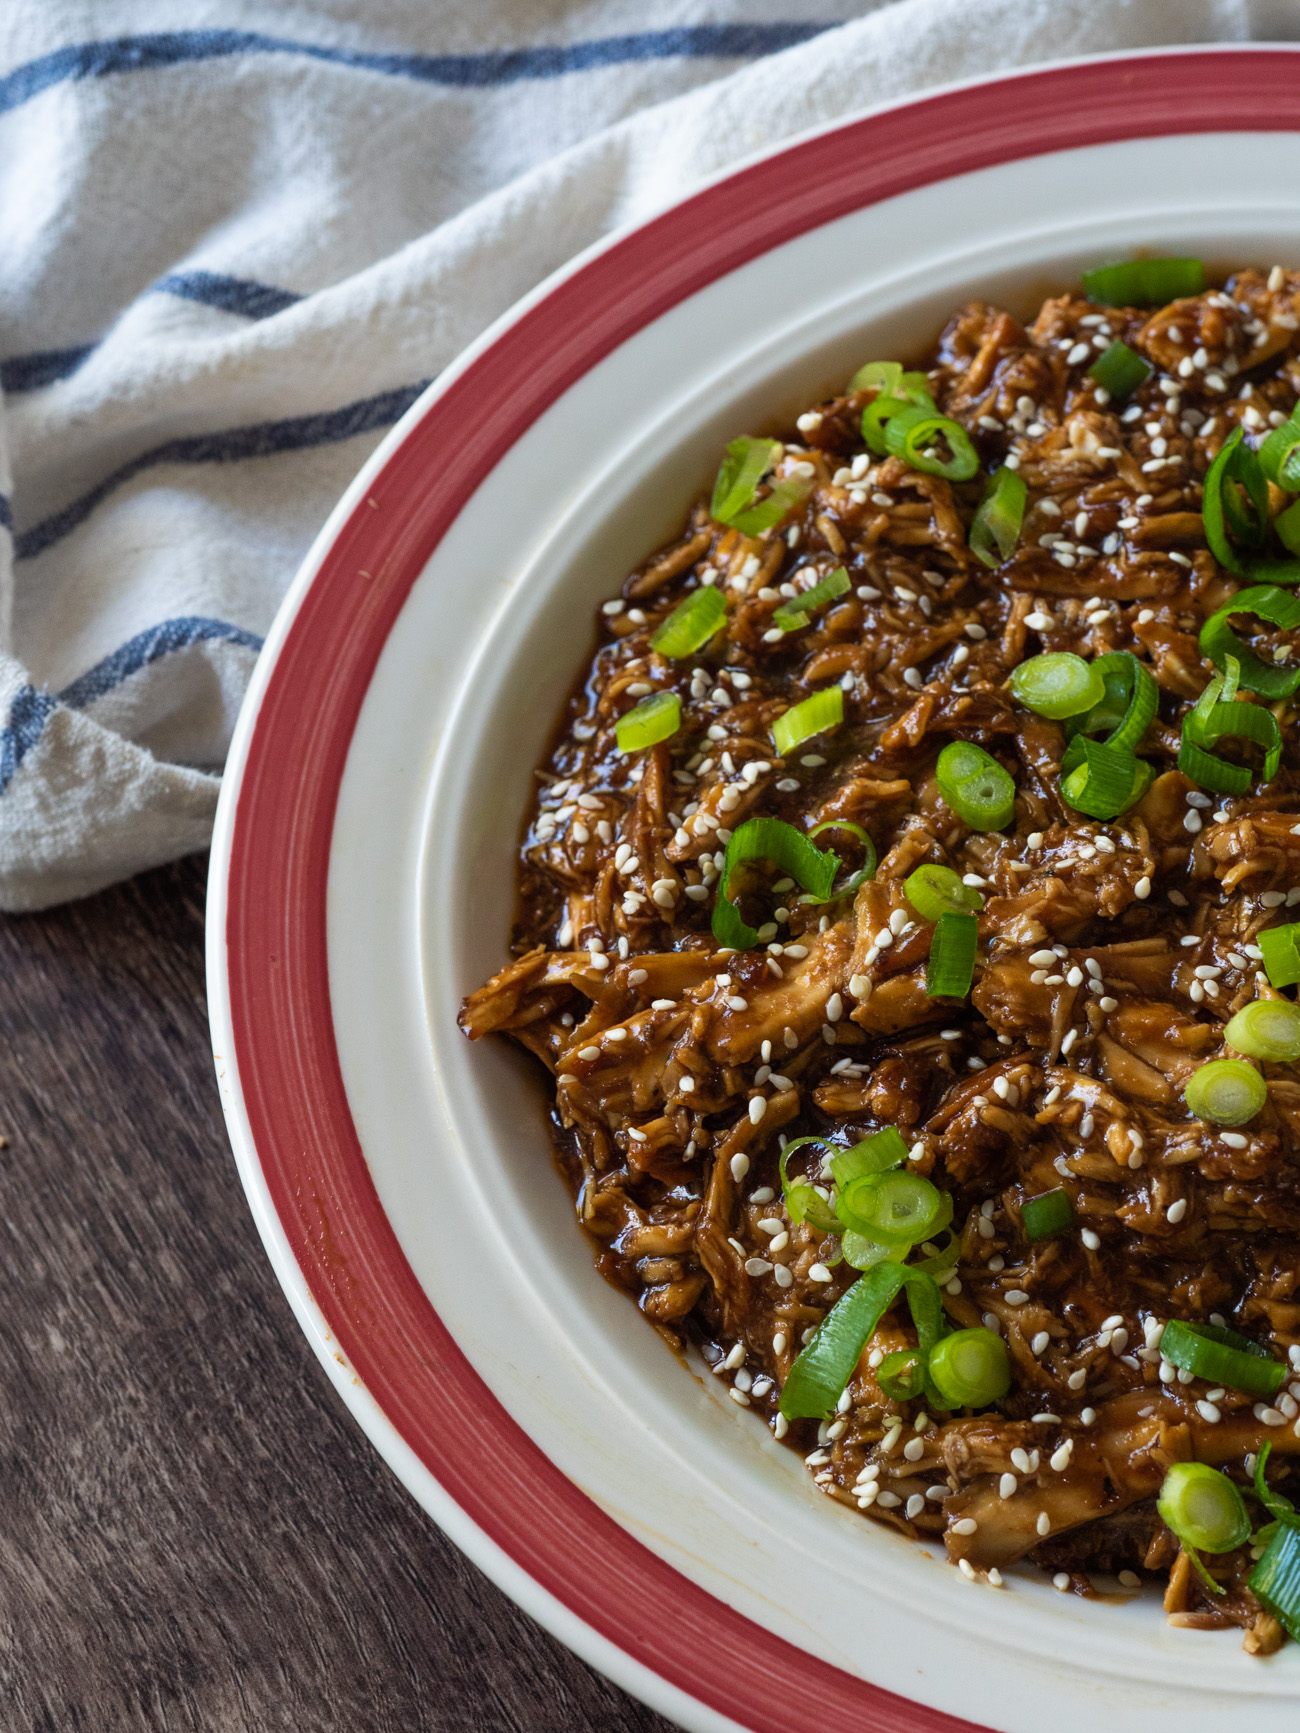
241,238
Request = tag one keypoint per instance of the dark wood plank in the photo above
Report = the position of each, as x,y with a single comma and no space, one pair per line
193,1533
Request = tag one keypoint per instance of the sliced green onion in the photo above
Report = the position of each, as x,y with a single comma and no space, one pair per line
778,505
691,624
1119,370
1279,456
866,871
1287,525
1057,684
1205,728
791,615
1225,1092
865,1254
1107,782
1274,1502
1266,1029
1222,1356
773,840
1281,948
1131,693
975,786
1144,282
944,1262
1049,1214
1276,571
912,434
819,1376
937,890
951,965
883,377
1218,640
879,1152
970,1368
816,715
995,528
911,392
1275,1580
744,465
1223,506
804,1202
901,1375
657,717
1205,1510
894,1209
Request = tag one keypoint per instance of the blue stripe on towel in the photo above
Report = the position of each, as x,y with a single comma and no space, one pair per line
32,708
42,367
28,715
148,647
460,71
263,439
229,294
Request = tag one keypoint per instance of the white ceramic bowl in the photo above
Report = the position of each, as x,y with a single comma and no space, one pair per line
362,884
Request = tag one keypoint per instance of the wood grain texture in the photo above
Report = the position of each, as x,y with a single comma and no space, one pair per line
193,1532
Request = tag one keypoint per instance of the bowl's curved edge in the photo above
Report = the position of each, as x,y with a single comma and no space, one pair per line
308,1185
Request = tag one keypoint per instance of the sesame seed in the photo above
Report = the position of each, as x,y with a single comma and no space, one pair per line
966,1568
1234,1139
1015,1296
819,1273
965,1525
740,1167
914,1449
1061,1581
1090,1239
1176,1211
1044,1525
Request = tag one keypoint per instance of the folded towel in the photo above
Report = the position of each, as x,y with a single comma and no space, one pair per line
241,240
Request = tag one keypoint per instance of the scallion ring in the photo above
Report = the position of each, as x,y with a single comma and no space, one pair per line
935,890
1225,1092
971,1368
655,718
773,840
995,528
1275,1580
778,505
912,436
901,1375
1057,684
1279,456
911,392
744,464
1266,1029
866,871
794,614
1051,1213
1144,282
1222,1356
1119,370
975,786
1287,525
819,1375
1107,782
895,1209
1281,949
815,715
803,1202
1242,721
951,965
691,624
1205,1510
1129,703
1218,640
883,377
1225,507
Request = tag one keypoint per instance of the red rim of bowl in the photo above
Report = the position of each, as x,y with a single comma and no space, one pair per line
276,961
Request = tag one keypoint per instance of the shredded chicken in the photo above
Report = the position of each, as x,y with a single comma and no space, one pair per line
1111,954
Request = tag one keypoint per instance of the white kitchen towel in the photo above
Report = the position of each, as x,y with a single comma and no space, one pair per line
238,241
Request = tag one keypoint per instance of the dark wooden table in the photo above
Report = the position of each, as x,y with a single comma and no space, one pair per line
193,1532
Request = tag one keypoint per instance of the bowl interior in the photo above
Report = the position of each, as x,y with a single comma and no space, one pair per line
422,890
